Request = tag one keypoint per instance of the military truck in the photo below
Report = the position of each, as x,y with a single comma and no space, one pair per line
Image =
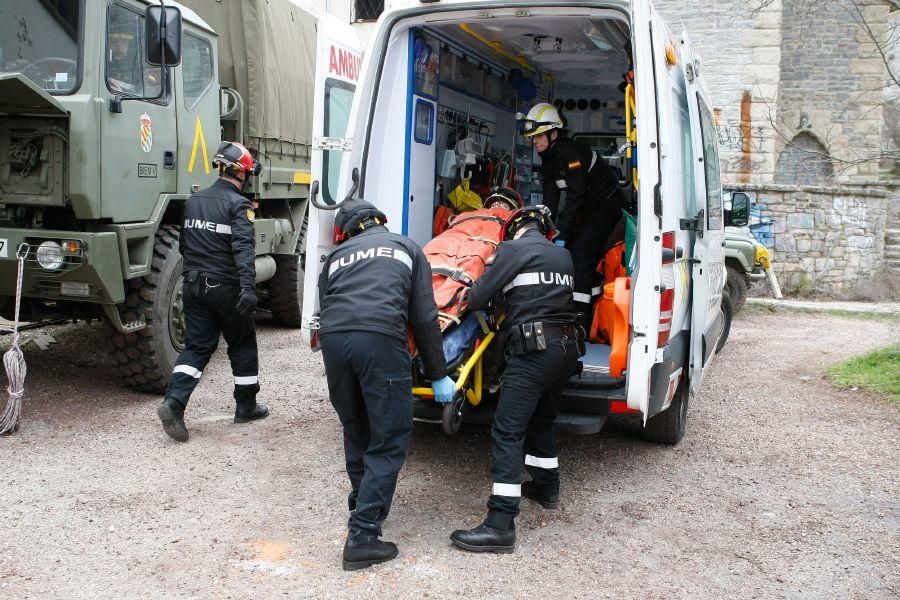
746,260
110,113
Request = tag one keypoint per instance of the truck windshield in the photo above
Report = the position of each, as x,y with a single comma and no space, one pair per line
39,38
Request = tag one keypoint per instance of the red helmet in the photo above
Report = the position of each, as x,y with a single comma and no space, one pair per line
232,155
539,214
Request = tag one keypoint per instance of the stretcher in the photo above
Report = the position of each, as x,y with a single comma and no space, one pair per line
458,257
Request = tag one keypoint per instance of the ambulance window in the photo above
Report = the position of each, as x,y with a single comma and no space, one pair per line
711,167
196,68
683,158
338,98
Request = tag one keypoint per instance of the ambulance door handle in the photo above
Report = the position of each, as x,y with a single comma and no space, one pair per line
169,159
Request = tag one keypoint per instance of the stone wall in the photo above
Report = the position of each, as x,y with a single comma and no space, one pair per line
740,50
831,83
827,240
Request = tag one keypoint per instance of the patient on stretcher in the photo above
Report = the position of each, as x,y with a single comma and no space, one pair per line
458,257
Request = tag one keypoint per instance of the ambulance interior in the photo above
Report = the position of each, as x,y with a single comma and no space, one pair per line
464,83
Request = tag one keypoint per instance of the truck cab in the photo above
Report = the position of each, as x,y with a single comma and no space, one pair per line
438,72
110,114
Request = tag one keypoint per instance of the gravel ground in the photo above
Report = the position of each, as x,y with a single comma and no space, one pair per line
783,487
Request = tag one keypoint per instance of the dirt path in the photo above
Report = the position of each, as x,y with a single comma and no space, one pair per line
783,487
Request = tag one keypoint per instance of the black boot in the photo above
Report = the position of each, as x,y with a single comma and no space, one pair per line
533,492
362,552
171,413
485,539
250,411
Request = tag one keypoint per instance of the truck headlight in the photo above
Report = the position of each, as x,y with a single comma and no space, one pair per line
50,256
763,258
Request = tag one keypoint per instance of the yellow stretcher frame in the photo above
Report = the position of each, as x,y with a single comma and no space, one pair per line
474,362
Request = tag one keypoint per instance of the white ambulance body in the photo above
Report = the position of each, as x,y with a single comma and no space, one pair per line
455,67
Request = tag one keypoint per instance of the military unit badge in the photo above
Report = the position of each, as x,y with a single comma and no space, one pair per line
146,133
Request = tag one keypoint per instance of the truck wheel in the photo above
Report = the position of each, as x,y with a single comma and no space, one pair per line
736,285
143,360
728,314
286,291
286,287
668,426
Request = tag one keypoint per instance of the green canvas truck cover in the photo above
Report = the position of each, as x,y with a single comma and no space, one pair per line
267,52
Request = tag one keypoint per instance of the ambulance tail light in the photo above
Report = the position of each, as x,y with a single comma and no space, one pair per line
668,251
666,302
666,293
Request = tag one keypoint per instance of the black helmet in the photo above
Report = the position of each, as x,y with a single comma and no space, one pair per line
507,197
354,216
538,213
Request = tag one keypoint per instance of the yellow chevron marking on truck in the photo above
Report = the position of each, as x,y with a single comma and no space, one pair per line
302,177
199,139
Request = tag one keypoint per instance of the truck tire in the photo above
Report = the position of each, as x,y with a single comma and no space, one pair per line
737,287
143,360
668,427
286,291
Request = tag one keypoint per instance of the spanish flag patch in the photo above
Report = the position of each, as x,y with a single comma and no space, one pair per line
575,164
251,216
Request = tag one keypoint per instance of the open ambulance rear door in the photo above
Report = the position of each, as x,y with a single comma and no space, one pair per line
708,273
646,278
338,67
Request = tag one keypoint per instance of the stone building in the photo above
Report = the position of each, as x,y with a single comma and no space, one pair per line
806,112
806,103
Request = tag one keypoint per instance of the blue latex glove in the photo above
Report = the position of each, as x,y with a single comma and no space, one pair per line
560,243
444,389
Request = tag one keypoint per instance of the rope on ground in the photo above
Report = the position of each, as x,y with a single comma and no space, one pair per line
14,360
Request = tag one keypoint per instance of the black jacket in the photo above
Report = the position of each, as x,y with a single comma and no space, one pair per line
566,165
536,277
217,237
379,281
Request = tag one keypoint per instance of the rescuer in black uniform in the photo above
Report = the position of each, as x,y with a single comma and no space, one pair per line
593,199
372,285
218,245
536,279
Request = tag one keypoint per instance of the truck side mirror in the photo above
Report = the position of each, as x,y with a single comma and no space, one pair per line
163,35
740,209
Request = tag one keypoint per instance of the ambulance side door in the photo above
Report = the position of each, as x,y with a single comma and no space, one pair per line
649,66
338,66
708,260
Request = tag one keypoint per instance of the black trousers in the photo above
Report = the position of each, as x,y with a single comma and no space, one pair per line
209,312
370,386
523,425
587,250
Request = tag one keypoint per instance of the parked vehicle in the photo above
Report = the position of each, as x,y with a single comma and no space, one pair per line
441,86
746,260
110,114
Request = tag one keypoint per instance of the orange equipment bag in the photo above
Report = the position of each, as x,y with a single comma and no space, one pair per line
459,256
611,267
620,331
442,217
610,324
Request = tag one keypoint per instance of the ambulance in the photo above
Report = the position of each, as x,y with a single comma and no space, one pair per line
432,111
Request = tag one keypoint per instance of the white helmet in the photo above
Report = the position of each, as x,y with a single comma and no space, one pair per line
540,119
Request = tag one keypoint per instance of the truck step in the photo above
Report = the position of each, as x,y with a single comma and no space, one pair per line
578,424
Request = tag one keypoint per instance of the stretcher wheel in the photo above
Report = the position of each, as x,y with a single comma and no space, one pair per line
451,417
